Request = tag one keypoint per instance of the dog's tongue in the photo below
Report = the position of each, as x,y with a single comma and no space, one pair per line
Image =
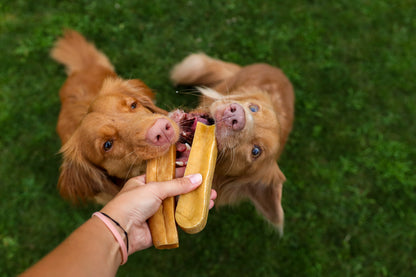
187,125
182,153
200,119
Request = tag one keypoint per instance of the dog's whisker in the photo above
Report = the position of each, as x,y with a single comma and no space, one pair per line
223,119
220,156
193,92
128,154
227,89
232,160
131,167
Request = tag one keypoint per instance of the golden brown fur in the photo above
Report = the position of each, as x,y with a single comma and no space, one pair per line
253,107
108,126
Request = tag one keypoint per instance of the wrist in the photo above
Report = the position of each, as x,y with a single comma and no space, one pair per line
119,234
118,215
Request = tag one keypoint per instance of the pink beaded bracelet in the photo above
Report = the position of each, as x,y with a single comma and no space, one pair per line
116,234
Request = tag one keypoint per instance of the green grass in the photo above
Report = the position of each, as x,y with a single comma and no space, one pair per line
350,198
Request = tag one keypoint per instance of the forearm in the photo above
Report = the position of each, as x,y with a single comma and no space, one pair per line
90,250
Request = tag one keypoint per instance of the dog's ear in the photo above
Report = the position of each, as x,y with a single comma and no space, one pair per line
146,96
146,102
79,180
266,194
139,85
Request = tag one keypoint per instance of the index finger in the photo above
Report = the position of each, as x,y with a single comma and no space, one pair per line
134,182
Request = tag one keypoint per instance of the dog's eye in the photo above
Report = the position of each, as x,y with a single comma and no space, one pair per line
108,145
133,105
256,151
254,108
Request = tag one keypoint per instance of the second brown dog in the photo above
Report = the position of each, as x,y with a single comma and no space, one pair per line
253,108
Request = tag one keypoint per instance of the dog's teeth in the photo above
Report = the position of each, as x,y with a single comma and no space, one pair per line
188,147
179,163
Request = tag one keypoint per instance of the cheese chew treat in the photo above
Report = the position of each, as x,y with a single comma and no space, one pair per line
162,224
192,208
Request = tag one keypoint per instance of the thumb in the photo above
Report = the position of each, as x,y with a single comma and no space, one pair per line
178,186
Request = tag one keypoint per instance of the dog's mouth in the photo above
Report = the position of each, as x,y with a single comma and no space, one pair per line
187,125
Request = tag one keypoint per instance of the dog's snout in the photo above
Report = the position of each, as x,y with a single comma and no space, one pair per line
161,133
234,117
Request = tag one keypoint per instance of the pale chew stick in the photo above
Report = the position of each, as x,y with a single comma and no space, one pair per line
192,209
162,224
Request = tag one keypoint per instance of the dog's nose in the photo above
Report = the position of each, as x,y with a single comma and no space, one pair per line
234,117
161,133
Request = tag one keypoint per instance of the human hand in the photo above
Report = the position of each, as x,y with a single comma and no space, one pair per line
138,201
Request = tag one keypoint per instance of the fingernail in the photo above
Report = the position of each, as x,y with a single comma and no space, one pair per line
195,179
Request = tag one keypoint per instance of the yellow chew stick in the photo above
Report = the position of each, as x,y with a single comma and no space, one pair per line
162,224
192,209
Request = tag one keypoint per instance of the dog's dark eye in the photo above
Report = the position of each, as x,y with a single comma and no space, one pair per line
256,151
254,108
133,106
108,145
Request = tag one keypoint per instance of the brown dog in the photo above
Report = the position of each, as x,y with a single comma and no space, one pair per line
253,108
108,126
